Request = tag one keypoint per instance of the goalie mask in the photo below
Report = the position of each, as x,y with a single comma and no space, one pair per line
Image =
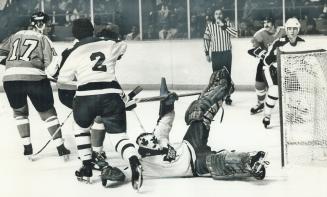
148,141
38,20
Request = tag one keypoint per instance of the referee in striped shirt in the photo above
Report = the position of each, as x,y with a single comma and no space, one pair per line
217,40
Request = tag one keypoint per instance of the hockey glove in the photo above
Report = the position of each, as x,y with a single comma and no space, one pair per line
257,52
130,105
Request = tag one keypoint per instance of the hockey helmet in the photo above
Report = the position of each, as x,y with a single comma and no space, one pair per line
293,22
82,28
38,18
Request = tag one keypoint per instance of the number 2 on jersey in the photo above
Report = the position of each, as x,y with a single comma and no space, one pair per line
98,65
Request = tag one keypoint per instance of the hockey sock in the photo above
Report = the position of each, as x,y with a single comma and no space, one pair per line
97,135
52,123
123,145
271,99
23,126
83,142
261,91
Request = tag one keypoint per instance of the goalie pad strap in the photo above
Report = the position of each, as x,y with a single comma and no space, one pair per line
225,164
196,110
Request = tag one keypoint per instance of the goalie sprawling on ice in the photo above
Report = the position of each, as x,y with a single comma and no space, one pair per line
192,157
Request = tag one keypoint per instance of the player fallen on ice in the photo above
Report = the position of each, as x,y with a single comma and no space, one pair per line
261,40
291,42
30,58
193,157
92,64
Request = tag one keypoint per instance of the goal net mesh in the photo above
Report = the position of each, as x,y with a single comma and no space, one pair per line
303,106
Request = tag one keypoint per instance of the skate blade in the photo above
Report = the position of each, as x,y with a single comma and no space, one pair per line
65,158
30,157
110,183
253,113
86,180
137,184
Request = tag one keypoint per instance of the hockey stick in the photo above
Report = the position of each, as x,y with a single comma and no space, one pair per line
54,134
160,98
139,120
131,95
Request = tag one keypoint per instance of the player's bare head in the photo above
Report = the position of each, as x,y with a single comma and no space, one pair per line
38,21
292,27
268,23
219,15
82,28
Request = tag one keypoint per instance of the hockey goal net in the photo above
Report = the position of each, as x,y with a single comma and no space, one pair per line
303,106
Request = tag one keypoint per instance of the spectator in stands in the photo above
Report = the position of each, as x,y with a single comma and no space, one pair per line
150,33
163,14
134,34
167,33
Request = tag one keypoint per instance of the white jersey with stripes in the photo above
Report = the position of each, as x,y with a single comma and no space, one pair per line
92,60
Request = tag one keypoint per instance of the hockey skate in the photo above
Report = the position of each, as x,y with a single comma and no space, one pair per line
257,108
266,121
137,176
64,152
85,173
228,100
28,152
99,160
111,176
258,165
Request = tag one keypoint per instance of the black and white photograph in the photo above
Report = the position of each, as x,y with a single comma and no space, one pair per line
163,98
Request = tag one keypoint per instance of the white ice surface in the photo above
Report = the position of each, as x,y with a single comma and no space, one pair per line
49,176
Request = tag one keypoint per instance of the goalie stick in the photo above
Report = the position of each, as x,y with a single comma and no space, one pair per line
160,98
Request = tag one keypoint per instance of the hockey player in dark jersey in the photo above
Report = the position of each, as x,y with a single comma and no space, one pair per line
290,42
261,40
92,64
192,156
30,58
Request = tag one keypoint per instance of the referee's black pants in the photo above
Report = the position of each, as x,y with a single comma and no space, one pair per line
221,59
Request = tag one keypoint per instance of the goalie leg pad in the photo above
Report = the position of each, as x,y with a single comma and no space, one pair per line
229,165
196,110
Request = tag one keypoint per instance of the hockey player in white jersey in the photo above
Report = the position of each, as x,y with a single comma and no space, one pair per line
261,40
290,42
193,157
66,94
30,58
92,63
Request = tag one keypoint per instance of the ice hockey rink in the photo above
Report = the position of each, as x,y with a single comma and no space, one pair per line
50,176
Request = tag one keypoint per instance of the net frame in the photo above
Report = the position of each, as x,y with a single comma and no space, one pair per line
280,68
